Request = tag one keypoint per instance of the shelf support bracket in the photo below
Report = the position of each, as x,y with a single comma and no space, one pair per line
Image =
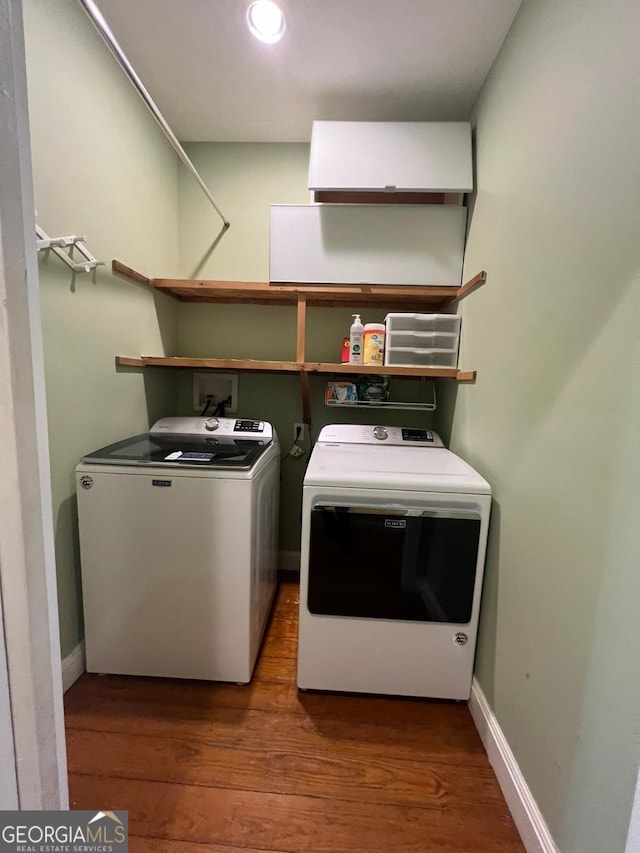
461,292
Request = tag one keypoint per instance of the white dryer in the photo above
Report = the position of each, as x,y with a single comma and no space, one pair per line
178,546
394,532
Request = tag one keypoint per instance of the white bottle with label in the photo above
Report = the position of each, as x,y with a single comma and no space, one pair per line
355,340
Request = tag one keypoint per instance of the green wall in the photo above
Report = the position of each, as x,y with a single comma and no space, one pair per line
245,179
552,421
102,169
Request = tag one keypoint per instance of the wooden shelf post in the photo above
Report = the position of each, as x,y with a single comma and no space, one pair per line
301,329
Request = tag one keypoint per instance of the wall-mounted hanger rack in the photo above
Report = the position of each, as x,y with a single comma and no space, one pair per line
64,247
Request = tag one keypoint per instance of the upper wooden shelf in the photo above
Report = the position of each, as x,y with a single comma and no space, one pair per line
398,297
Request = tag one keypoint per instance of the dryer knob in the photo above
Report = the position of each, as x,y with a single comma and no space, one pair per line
211,424
380,433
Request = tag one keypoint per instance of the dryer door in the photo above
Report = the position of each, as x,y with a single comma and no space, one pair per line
415,564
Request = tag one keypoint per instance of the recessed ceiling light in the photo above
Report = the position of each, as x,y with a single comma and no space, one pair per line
266,21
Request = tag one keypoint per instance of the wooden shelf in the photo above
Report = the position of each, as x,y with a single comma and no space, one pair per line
399,298
294,367
209,363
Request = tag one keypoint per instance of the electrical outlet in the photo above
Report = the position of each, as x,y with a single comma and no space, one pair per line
298,436
218,386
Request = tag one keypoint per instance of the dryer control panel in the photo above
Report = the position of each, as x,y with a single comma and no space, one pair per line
379,435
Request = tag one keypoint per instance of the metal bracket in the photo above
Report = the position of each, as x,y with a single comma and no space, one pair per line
63,247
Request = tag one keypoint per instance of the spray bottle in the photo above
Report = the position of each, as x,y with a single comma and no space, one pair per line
355,340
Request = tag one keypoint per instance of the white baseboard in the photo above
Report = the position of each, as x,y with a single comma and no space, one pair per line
522,805
289,561
73,666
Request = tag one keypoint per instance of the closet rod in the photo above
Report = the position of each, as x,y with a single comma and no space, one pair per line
103,28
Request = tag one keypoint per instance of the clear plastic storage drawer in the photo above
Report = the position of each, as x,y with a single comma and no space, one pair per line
407,357
422,340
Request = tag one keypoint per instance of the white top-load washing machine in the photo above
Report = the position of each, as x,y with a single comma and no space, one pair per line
178,546
394,532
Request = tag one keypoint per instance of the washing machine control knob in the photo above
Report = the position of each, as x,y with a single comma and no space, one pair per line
211,424
380,433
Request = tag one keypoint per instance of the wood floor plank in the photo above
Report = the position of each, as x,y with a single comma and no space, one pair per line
139,844
279,647
284,732
330,774
254,820
287,601
282,627
110,694
107,692
274,669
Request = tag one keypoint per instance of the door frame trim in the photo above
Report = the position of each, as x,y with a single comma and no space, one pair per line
27,554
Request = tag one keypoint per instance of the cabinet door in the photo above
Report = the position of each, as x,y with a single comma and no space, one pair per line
367,244
402,156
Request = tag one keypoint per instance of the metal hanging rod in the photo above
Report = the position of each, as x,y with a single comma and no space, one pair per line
58,245
105,31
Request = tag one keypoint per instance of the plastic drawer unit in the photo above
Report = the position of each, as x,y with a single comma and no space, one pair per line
422,340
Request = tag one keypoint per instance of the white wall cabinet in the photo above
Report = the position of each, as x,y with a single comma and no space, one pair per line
367,244
391,156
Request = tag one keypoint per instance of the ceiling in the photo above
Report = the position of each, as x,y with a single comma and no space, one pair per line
350,60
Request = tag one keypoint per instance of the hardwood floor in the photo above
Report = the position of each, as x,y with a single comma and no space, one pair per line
218,768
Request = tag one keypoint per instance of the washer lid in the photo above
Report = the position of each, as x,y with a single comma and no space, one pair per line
173,449
425,469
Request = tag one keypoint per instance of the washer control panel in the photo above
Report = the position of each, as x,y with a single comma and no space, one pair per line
379,434
247,428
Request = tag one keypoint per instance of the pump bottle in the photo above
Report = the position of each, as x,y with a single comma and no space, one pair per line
356,333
